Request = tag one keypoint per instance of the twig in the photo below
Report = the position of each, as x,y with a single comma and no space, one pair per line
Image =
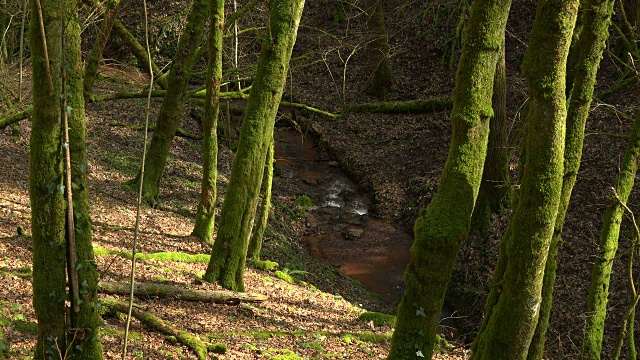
139,205
47,64
71,228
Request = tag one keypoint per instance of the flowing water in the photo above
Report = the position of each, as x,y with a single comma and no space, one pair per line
340,227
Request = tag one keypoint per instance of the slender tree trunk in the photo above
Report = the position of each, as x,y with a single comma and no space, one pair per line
91,69
45,180
601,273
255,244
382,79
596,16
171,111
229,251
134,46
496,186
205,216
86,345
512,319
440,230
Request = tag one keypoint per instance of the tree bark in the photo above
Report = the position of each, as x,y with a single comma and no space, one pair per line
205,215
440,230
257,237
229,252
496,185
171,111
601,273
596,16
382,79
88,320
45,180
91,69
514,302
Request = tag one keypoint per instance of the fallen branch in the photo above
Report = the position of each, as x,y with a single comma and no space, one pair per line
149,290
403,107
153,322
15,117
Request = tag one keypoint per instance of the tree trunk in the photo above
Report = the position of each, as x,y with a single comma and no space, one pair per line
601,273
91,69
229,251
205,215
45,180
255,244
171,111
87,321
382,79
512,318
440,230
496,185
596,15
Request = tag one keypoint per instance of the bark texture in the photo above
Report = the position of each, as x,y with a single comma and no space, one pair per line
496,186
440,230
382,79
171,111
257,237
205,215
86,344
91,69
601,273
596,17
514,302
45,181
229,252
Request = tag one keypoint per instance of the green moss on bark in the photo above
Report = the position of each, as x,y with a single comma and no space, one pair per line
229,251
596,16
515,298
171,111
382,79
440,230
257,237
205,215
45,181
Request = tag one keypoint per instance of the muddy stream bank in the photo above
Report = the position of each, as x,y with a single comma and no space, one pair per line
341,230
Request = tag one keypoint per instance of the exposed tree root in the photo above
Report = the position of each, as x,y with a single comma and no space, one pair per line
148,290
153,322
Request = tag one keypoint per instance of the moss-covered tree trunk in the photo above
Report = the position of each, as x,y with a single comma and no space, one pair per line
596,16
91,69
382,79
601,273
56,337
45,181
86,344
171,111
229,251
440,230
496,186
205,215
512,319
255,244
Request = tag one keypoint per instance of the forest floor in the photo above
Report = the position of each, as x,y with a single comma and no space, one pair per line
397,159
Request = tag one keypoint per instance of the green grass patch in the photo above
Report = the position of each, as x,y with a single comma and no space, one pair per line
159,256
379,319
25,327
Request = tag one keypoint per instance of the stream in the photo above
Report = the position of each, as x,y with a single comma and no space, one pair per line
341,230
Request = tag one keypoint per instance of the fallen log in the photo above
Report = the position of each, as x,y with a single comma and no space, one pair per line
15,117
150,290
155,323
403,107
